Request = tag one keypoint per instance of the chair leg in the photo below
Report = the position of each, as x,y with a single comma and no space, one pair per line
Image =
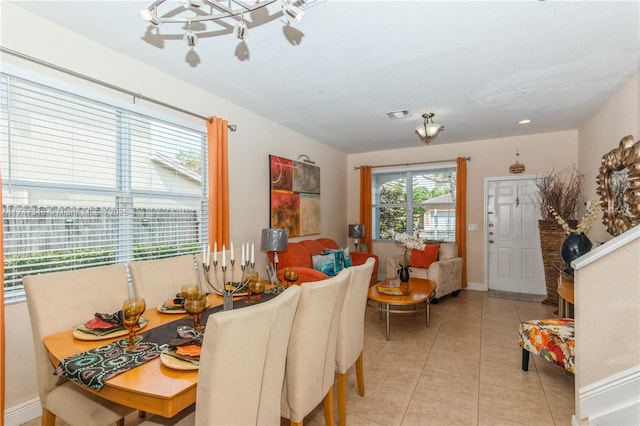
120,422
329,415
142,414
360,375
48,418
525,360
342,399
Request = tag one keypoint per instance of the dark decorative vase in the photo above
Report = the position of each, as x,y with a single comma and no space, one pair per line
404,273
574,246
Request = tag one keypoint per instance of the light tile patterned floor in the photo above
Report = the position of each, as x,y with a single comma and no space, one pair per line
463,370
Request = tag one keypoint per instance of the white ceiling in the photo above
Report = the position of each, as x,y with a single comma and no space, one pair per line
480,66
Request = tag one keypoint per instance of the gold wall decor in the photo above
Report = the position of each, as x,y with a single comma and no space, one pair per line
516,167
619,187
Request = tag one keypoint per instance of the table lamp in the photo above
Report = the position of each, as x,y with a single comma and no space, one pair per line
356,231
275,240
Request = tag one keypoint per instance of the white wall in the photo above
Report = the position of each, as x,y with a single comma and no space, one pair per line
249,147
607,287
617,118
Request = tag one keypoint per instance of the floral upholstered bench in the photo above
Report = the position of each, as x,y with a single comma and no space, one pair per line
552,339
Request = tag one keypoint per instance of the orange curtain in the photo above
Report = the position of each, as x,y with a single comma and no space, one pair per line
218,169
365,204
461,215
2,323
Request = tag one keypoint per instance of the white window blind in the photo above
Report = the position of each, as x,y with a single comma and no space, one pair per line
415,201
85,183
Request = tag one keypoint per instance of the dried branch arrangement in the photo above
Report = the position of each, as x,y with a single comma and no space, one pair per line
561,191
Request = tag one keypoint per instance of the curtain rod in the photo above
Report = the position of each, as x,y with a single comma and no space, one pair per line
135,95
413,164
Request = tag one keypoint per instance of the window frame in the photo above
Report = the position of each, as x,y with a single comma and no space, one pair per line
409,205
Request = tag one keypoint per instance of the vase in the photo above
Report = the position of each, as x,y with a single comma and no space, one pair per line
574,246
551,237
404,273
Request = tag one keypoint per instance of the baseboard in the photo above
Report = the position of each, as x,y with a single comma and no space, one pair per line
22,413
476,286
613,400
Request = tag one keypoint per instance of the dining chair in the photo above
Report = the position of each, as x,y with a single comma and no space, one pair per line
242,365
351,333
57,301
158,280
311,357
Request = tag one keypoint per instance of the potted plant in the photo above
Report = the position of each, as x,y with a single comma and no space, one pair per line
559,192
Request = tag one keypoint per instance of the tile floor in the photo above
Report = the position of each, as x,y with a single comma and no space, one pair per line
463,370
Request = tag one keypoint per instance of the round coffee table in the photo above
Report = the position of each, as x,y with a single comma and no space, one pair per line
420,296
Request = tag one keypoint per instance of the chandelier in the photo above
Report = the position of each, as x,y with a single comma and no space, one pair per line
428,130
228,14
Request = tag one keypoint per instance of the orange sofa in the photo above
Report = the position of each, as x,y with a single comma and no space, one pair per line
298,257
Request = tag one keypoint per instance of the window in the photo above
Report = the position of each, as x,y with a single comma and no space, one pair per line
85,183
415,201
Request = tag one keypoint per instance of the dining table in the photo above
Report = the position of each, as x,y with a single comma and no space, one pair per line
151,387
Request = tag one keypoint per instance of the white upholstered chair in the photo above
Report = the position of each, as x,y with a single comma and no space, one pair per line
242,366
351,333
311,357
160,279
58,301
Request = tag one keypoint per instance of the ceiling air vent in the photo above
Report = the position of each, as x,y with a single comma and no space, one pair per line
401,113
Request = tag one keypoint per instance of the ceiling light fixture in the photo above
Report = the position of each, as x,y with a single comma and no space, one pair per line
428,130
525,121
228,14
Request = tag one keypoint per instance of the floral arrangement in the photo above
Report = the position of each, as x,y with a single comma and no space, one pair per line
585,222
409,242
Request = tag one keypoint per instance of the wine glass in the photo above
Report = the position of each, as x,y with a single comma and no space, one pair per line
290,276
131,311
257,288
189,290
194,305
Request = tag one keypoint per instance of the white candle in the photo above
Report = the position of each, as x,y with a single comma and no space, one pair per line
208,255
253,260
224,256
215,252
204,254
242,257
231,252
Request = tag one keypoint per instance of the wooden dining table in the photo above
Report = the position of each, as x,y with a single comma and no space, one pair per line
150,387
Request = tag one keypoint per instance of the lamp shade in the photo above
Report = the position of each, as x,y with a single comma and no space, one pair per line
356,230
273,239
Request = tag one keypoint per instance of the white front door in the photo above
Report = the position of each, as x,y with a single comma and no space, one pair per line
514,261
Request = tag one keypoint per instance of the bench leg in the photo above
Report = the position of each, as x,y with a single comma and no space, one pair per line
525,360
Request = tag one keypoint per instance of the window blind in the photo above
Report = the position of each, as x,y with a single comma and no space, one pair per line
85,183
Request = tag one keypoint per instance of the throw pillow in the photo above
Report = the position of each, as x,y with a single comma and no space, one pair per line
346,257
325,263
424,258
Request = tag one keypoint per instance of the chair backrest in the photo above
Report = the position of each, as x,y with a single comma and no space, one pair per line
158,280
243,361
351,329
57,301
310,369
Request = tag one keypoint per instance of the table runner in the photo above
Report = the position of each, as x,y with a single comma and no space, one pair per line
94,367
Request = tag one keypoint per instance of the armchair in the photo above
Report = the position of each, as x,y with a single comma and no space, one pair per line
446,272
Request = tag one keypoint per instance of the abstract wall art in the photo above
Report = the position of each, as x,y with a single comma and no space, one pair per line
295,196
